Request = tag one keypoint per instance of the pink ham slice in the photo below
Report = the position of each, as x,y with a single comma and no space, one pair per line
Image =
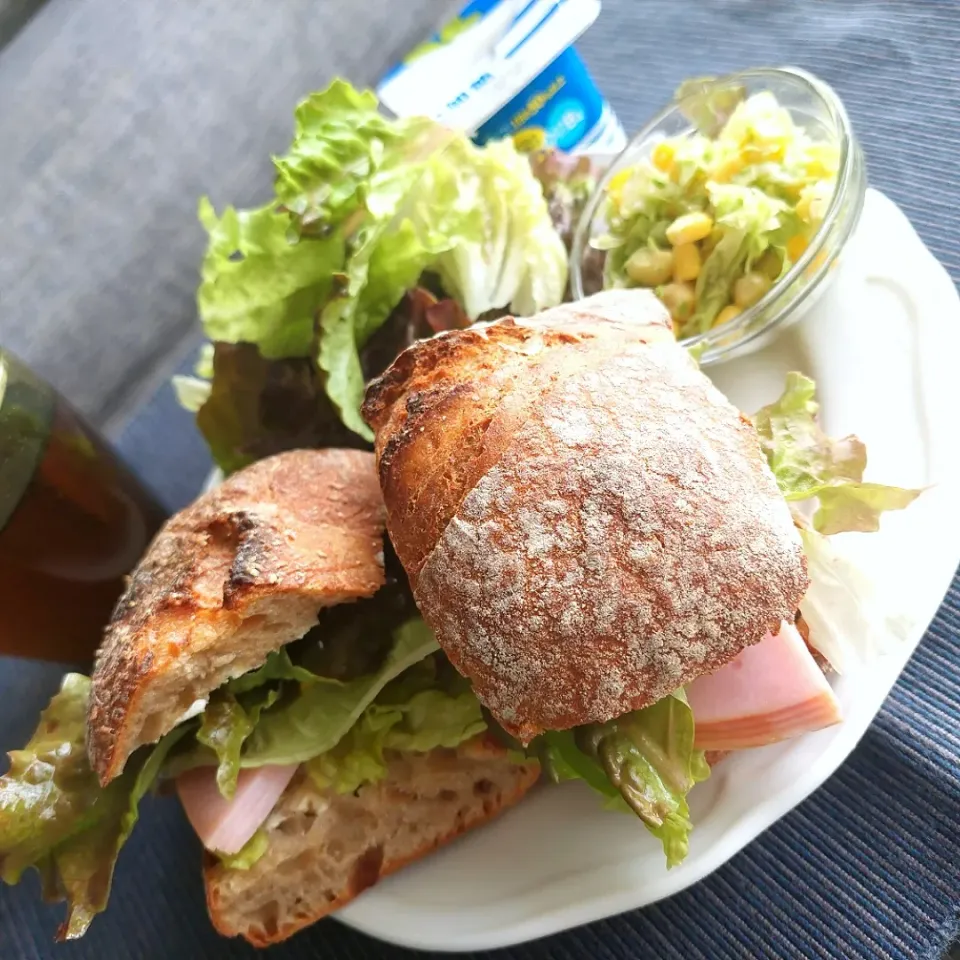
772,691
226,825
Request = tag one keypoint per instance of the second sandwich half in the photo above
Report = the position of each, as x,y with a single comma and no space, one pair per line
598,539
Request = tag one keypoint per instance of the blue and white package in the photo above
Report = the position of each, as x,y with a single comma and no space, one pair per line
507,68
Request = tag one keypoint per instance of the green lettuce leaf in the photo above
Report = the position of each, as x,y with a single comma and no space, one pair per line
707,104
260,285
324,709
358,757
809,464
562,759
255,407
428,707
55,816
433,719
226,723
363,206
644,761
277,666
49,792
716,278
249,853
509,252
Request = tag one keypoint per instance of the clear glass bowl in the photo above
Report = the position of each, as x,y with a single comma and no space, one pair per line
814,106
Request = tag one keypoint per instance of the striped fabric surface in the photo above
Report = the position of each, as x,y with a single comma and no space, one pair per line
869,866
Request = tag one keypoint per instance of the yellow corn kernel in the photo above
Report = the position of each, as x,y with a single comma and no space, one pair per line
765,152
689,228
803,207
796,246
663,156
776,152
686,262
729,168
749,288
650,268
680,300
727,314
617,181
822,160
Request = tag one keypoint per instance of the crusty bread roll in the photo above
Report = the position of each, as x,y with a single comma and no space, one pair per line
587,523
326,848
240,572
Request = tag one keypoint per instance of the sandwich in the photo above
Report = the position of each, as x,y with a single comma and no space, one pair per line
597,567
619,560
267,664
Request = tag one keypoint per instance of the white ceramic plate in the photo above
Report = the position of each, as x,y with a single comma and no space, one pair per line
882,343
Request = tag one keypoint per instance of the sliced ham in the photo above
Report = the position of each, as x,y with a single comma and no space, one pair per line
226,825
772,691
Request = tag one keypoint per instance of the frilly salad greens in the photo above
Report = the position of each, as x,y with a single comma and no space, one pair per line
334,701
55,816
816,470
713,218
821,477
643,762
296,295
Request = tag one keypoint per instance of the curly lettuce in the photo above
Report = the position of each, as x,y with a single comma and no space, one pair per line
323,709
429,707
363,206
822,479
811,466
55,816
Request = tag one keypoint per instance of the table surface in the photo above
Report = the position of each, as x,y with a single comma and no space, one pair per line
100,249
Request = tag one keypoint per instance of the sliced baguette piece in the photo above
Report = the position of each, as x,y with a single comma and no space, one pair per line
326,848
242,571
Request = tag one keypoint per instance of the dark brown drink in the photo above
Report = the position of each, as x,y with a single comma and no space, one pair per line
73,522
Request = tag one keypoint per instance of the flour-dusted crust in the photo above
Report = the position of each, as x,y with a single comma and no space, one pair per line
623,537
446,410
326,848
240,572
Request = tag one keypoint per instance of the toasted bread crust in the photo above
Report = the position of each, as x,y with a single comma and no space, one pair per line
449,406
586,521
238,573
481,761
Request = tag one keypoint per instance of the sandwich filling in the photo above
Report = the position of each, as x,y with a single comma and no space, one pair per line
366,683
